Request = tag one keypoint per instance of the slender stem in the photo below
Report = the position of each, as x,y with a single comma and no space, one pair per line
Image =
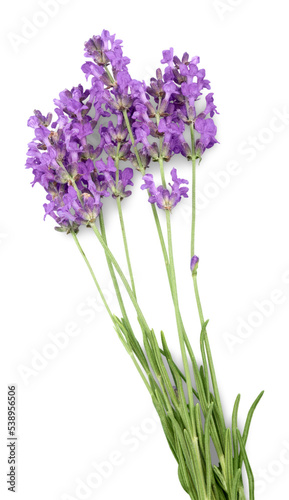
161,238
122,277
133,140
112,317
182,335
112,80
161,164
193,228
156,218
93,275
142,170
196,290
178,319
154,210
125,245
111,270
168,258
173,287
121,220
208,349
199,306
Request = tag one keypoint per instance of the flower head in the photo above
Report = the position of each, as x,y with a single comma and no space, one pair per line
118,187
62,161
207,130
164,198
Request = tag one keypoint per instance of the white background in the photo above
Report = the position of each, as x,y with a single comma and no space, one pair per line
76,409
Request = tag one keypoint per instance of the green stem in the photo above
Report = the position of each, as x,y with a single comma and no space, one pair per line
194,275
193,228
208,350
121,220
112,317
125,245
184,341
199,306
122,277
168,258
112,80
133,141
161,238
93,276
154,210
194,439
178,319
142,170
111,270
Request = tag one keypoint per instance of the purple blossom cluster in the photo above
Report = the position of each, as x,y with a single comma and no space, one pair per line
66,165
158,113
77,176
168,105
161,195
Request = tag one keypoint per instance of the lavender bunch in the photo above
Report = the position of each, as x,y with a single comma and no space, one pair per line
145,126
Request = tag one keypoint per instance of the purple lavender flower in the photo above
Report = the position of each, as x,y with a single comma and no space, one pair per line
104,49
207,130
190,82
115,140
62,161
211,108
165,199
168,56
118,188
39,120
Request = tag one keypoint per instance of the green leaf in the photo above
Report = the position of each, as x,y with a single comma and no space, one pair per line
194,451
213,376
236,484
205,364
185,477
166,425
162,369
167,353
229,462
135,345
157,391
208,459
199,427
123,339
234,433
150,354
247,466
183,407
220,478
190,464
249,417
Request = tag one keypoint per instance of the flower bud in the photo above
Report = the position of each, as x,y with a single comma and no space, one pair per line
194,263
